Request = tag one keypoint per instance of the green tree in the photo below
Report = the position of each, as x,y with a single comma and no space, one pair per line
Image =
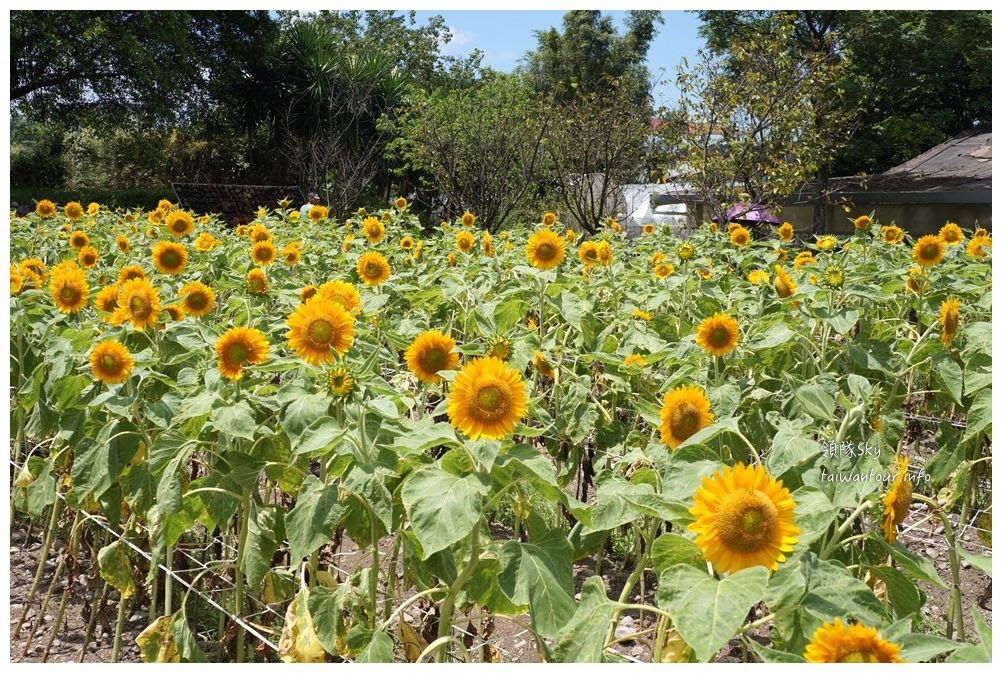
589,54
919,77
479,147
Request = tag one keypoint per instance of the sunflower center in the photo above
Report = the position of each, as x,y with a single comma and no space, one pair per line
434,358
197,300
720,336
237,353
860,657
372,270
108,363
747,520
930,251
171,259
320,331
950,324
684,420
139,306
545,251
491,399
69,294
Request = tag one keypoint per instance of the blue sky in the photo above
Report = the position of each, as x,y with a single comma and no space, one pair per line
505,37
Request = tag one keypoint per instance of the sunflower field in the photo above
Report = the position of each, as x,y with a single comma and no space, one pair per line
391,443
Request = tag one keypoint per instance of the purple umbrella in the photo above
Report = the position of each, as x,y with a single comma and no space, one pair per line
747,213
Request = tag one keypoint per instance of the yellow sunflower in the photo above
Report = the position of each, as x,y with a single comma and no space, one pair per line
978,245
740,236
604,253
318,329
634,360
658,257
499,348
239,347
93,208
588,253
836,643
803,259
180,224
718,334
487,399
783,284
451,259
641,315
685,251
549,219
785,232
892,234
469,219
897,500
174,312
648,229
74,210
342,293
197,299
111,362
862,223
929,250
122,243
131,271
684,412
138,303
16,280
744,518
951,233
542,365
107,299
545,249
758,276
88,257
205,242
165,205
346,245
464,241
430,353
400,203
373,268
263,253
949,319
79,240
45,208
69,289
155,216
170,257
407,243
291,254
340,382
257,282
826,243
662,271
318,213
571,235
781,254
373,229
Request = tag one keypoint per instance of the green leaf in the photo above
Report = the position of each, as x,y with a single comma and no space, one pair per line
917,566
312,521
982,563
791,447
261,543
949,377
708,612
427,434
919,647
771,656
673,549
443,507
815,401
378,651
777,335
711,431
302,412
187,646
581,640
235,420
814,513
902,594
319,436
979,416
538,574
116,569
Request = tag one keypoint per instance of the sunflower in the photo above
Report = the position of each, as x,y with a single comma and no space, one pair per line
340,382
263,253
892,234
834,275
803,259
16,280
836,643
781,254
571,235
74,210
155,216
542,365
400,203
487,399
545,249
549,219
977,246
949,318
257,282
291,254
464,241
862,223
180,224
165,205
79,240
174,312
138,303
615,226
407,243
468,219
386,216
417,249
951,233
718,334
740,236
373,268
122,243
604,253
916,281
107,299
744,518
826,243
588,253
758,276
197,299
662,271
88,257
111,362
487,244
318,213
641,315
634,360
238,347
93,208
170,257
318,327
684,412
346,245
131,271
499,348
45,208
451,259
685,251
929,250
430,353
69,289
373,229
658,257
342,293
307,293
897,500
785,232
648,229
783,284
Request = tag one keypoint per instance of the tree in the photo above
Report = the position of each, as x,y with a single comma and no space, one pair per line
589,54
480,147
758,123
595,145
919,77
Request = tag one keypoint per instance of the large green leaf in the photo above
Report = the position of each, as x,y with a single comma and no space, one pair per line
312,521
707,611
538,574
235,420
672,549
581,640
443,507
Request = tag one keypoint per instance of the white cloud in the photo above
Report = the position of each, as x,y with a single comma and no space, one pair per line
455,44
